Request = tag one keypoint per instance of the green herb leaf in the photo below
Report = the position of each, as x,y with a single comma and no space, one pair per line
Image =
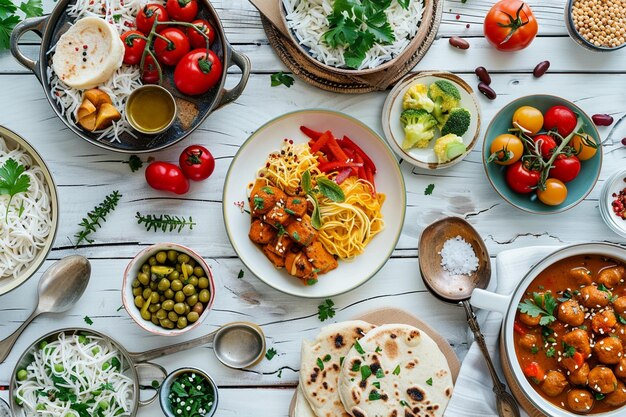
550,352
280,373
164,222
32,8
429,189
598,396
316,216
568,351
88,320
540,305
429,381
397,370
259,203
306,182
356,366
271,352
296,236
117,17
534,349
330,190
280,78
366,372
380,373
404,403
6,27
374,395
240,274
267,190
326,310
13,181
376,384
341,360
327,358
91,223
359,348
134,162
378,349
320,364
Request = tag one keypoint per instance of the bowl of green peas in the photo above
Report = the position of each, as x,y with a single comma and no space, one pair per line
168,289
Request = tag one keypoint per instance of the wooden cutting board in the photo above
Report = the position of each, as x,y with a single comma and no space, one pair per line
394,315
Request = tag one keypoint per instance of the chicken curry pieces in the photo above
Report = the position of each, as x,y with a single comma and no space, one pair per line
570,334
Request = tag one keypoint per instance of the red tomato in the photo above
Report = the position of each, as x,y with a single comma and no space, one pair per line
547,145
167,177
197,163
520,179
169,53
510,25
150,73
182,10
196,39
147,15
560,118
565,168
133,47
197,72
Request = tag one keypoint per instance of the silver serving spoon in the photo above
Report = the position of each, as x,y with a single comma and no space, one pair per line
59,288
458,289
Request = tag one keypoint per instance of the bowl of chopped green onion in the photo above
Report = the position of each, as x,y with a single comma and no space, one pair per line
188,392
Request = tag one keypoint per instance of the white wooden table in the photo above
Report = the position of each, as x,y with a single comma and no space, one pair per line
85,174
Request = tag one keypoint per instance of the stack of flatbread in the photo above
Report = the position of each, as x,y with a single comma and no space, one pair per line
356,369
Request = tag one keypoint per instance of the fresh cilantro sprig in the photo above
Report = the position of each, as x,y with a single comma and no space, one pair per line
541,305
326,310
280,78
12,181
429,189
271,352
11,15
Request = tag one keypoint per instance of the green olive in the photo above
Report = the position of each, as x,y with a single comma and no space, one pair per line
152,261
178,268
139,301
203,283
189,290
198,308
176,285
164,284
181,323
135,283
145,268
179,308
193,280
192,317
168,305
153,286
192,300
168,294
154,298
154,307
204,296
137,291
172,255
167,323
147,293
189,270
187,309
146,315
198,271
161,314
174,275
182,258
154,319
172,316
179,297
143,278
192,262
161,298
161,257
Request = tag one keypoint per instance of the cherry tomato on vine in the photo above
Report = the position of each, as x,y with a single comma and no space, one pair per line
150,73
506,149
565,168
169,53
182,10
133,46
147,15
547,145
521,179
554,194
197,72
196,39
584,145
528,118
560,118
510,25
166,177
196,162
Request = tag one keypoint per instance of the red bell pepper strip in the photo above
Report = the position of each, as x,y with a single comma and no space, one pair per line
579,359
321,142
337,166
343,175
361,171
533,370
519,329
370,178
347,142
336,151
310,132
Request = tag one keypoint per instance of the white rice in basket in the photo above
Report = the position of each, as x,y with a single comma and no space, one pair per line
309,21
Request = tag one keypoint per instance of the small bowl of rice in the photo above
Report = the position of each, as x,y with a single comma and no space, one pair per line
307,22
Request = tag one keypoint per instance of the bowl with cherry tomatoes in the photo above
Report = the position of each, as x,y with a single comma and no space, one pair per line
542,154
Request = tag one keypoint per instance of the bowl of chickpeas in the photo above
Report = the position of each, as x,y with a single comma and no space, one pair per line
598,25
168,289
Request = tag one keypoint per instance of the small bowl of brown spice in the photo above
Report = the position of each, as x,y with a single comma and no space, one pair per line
598,25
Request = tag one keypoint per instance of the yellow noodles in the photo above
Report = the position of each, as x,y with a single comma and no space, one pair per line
284,169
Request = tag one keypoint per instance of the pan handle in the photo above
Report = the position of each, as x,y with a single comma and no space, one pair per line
34,24
243,62
150,377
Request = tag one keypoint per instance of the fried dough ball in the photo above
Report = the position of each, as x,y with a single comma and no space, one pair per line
580,401
592,297
608,350
578,338
528,341
571,313
603,321
617,397
611,277
581,275
579,376
529,320
602,380
554,383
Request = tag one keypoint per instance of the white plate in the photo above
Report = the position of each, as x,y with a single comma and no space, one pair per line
614,184
251,156
394,132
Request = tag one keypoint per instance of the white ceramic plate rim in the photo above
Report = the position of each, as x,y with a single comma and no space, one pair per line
232,214
614,184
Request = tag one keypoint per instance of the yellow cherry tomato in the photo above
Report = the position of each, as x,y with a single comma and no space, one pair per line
506,149
585,145
528,118
554,194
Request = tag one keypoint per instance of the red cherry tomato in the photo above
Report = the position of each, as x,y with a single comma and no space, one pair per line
182,10
133,46
196,39
197,72
510,25
560,118
147,15
520,179
547,145
150,73
197,163
565,168
169,53
166,177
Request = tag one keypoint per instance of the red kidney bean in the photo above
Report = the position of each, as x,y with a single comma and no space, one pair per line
458,42
487,91
624,143
602,119
541,68
483,75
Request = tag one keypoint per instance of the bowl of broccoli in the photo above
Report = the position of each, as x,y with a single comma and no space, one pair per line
432,119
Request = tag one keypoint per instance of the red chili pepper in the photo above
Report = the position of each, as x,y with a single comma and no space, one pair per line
347,142
533,370
337,166
519,329
310,132
321,142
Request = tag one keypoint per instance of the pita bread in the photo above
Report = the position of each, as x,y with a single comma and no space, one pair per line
321,365
395,370
302,408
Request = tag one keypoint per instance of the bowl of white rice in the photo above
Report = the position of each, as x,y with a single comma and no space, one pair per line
311,23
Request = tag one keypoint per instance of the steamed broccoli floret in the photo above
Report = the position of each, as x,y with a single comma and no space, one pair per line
446,97
416,97
458,122
419,128
449,147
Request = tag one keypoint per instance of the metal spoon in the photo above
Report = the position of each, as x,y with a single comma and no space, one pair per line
58,290
458,289
237,345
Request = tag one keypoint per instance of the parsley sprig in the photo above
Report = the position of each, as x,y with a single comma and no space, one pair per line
12,181
280,78
326,310
10,16
541,305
